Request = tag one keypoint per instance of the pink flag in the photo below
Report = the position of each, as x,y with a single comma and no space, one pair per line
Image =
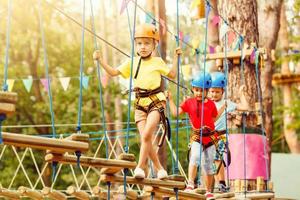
211,49
163,25
231,37
123,6
216,20
252,56
180,35
44,82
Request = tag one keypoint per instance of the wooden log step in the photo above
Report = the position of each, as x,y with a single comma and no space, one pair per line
37,142
146,181
90,161
159,191
7,108
101,193
176,177
127,156
78,137
130,194
224,195
8,97
114,170
33,194
267,195
53,194
10,194
81,195
232,54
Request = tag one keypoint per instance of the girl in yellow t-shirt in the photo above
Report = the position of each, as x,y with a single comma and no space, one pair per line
150,99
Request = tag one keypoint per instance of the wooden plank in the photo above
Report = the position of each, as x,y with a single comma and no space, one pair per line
181,194
232,54
176,177
130,194
224,195
78,137
278,78
8,97
7,108
126,156
256,195
81,195
33,194
114,170
53,194
10,194
146,181
90,161
37,142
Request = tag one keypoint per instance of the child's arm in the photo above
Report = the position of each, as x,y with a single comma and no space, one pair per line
173,71
173,107
110,70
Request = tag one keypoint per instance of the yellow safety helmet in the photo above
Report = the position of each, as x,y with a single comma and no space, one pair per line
146,31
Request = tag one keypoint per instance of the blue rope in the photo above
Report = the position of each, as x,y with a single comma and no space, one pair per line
207,10
177,90
130,82
108,190
2,118
46,63
261,113
5,86
99,84
78,129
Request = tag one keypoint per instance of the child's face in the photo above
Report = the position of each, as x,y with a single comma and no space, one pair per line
144,46
199,93
216,94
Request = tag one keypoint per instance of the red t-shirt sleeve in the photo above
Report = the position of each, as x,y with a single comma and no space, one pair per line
184,106
214,110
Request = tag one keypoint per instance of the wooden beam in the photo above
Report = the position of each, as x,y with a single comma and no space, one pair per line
256,195
114,170
279,79
7,108
33,194
8,97
232,54
53,194
78,137
37,142
146,181
181,194
10,194
90,161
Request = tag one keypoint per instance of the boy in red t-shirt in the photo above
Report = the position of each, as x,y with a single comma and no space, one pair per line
194,108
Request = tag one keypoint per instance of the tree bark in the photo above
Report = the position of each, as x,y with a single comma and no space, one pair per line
242,16
289,133
268,34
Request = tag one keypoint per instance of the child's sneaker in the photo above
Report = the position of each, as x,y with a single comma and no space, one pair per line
139,173
209,196
161,174
190,187
222,188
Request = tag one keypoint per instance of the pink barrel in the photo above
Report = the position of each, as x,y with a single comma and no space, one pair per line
255,156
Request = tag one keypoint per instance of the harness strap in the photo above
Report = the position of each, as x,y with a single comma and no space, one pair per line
138,68
142,93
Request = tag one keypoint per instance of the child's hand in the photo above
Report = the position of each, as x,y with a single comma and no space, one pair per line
97,55
177,51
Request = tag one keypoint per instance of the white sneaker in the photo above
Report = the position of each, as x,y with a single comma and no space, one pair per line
139,173
161,174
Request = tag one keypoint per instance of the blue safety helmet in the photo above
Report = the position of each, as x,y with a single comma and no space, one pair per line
202,80
218,80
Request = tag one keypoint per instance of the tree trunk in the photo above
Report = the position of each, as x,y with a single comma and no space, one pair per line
213,30
268,34
289,133
242,16
163,35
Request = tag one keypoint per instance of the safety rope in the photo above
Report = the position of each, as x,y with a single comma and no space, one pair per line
266,156
99,82
207,10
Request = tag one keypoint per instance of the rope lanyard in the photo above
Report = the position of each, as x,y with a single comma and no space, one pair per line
261,113
99,83
177,90
46,63
78,128
207,10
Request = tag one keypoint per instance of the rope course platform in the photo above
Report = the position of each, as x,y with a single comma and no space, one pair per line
53,194
145,181
160,191
42,143
10,194
279,79
78,194
8,102
32,194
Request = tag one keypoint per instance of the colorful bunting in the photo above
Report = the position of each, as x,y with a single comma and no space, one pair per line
27,83
123,6
211,49
252,56
65,81
223,30
44,82
85,81
231,37
10,83
149,17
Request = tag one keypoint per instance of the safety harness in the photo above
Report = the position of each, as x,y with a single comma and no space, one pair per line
156,104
